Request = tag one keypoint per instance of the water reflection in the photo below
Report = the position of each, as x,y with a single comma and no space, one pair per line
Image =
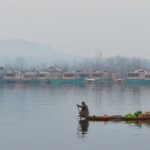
27,111
83,128
139,123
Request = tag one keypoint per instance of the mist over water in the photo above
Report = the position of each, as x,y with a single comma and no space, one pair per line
15,52
80,27
43,116
19,55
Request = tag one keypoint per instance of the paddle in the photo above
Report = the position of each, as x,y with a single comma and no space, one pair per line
78,109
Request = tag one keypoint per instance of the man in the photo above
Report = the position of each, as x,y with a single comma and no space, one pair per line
84,110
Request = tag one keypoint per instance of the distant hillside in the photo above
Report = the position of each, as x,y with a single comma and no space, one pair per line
32,53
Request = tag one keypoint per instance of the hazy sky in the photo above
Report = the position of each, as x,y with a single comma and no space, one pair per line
115,27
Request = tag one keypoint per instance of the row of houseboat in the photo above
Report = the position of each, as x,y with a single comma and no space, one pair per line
67,77
55,76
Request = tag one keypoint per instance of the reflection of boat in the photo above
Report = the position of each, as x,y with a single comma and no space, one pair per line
119,81
67,81
116,118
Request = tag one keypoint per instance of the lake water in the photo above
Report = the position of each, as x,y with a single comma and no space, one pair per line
45,117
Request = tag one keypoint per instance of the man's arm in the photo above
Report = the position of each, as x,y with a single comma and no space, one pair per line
79,106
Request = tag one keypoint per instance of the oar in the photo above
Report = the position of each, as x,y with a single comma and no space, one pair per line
78,109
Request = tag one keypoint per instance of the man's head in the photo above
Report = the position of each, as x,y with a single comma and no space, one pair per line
83,103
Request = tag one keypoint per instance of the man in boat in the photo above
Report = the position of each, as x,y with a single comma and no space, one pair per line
84,112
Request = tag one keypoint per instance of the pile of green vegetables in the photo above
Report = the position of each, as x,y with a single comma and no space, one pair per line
136,114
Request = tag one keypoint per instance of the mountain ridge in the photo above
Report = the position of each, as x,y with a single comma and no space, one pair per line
32,52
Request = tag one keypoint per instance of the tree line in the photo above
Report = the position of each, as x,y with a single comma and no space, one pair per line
112,64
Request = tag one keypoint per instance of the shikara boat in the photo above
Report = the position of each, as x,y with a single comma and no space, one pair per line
116,118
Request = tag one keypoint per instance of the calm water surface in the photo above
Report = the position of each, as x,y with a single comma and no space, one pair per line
45,117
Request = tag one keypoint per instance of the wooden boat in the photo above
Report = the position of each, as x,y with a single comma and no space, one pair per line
116,118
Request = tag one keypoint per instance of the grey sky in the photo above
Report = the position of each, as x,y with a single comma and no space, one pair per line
115,27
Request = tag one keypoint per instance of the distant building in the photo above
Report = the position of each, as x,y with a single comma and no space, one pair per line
139,75
10,75
42,76
70,75
55,73
28,76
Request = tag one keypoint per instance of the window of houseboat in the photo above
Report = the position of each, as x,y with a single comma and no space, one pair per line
69,75
133,75
10,75
41,75
147,76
